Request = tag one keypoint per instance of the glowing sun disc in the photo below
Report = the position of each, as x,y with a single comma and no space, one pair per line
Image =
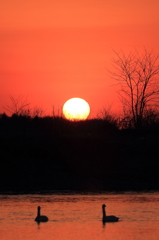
76,109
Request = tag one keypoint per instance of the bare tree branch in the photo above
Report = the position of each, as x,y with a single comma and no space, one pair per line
17,105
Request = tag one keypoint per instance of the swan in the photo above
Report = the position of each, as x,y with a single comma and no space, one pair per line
108,218
39,217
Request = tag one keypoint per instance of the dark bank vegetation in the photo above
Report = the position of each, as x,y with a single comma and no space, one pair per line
52,153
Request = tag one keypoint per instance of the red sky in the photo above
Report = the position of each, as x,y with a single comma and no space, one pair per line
53,50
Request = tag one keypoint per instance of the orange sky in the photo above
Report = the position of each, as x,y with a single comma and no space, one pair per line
53,50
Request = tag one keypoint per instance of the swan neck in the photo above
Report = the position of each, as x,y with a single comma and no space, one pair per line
38,213
104,212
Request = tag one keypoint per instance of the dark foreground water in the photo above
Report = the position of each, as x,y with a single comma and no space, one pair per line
78,216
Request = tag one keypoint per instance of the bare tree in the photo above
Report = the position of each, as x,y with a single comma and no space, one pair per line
138,77
18,105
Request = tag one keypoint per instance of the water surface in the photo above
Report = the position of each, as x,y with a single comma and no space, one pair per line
78,216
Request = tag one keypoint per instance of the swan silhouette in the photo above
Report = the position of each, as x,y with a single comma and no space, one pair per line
108,218
39,217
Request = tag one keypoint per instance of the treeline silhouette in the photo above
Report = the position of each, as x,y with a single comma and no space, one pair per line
52,153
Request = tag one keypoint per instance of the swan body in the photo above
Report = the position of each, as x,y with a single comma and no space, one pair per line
39,217
108,218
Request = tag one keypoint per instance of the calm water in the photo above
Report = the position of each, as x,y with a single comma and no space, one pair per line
78,216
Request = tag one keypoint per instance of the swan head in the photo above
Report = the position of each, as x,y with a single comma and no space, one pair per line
103,206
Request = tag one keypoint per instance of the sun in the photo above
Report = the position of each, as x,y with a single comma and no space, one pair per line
76,109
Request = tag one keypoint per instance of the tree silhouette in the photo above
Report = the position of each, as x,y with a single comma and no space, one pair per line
137,74
18,105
